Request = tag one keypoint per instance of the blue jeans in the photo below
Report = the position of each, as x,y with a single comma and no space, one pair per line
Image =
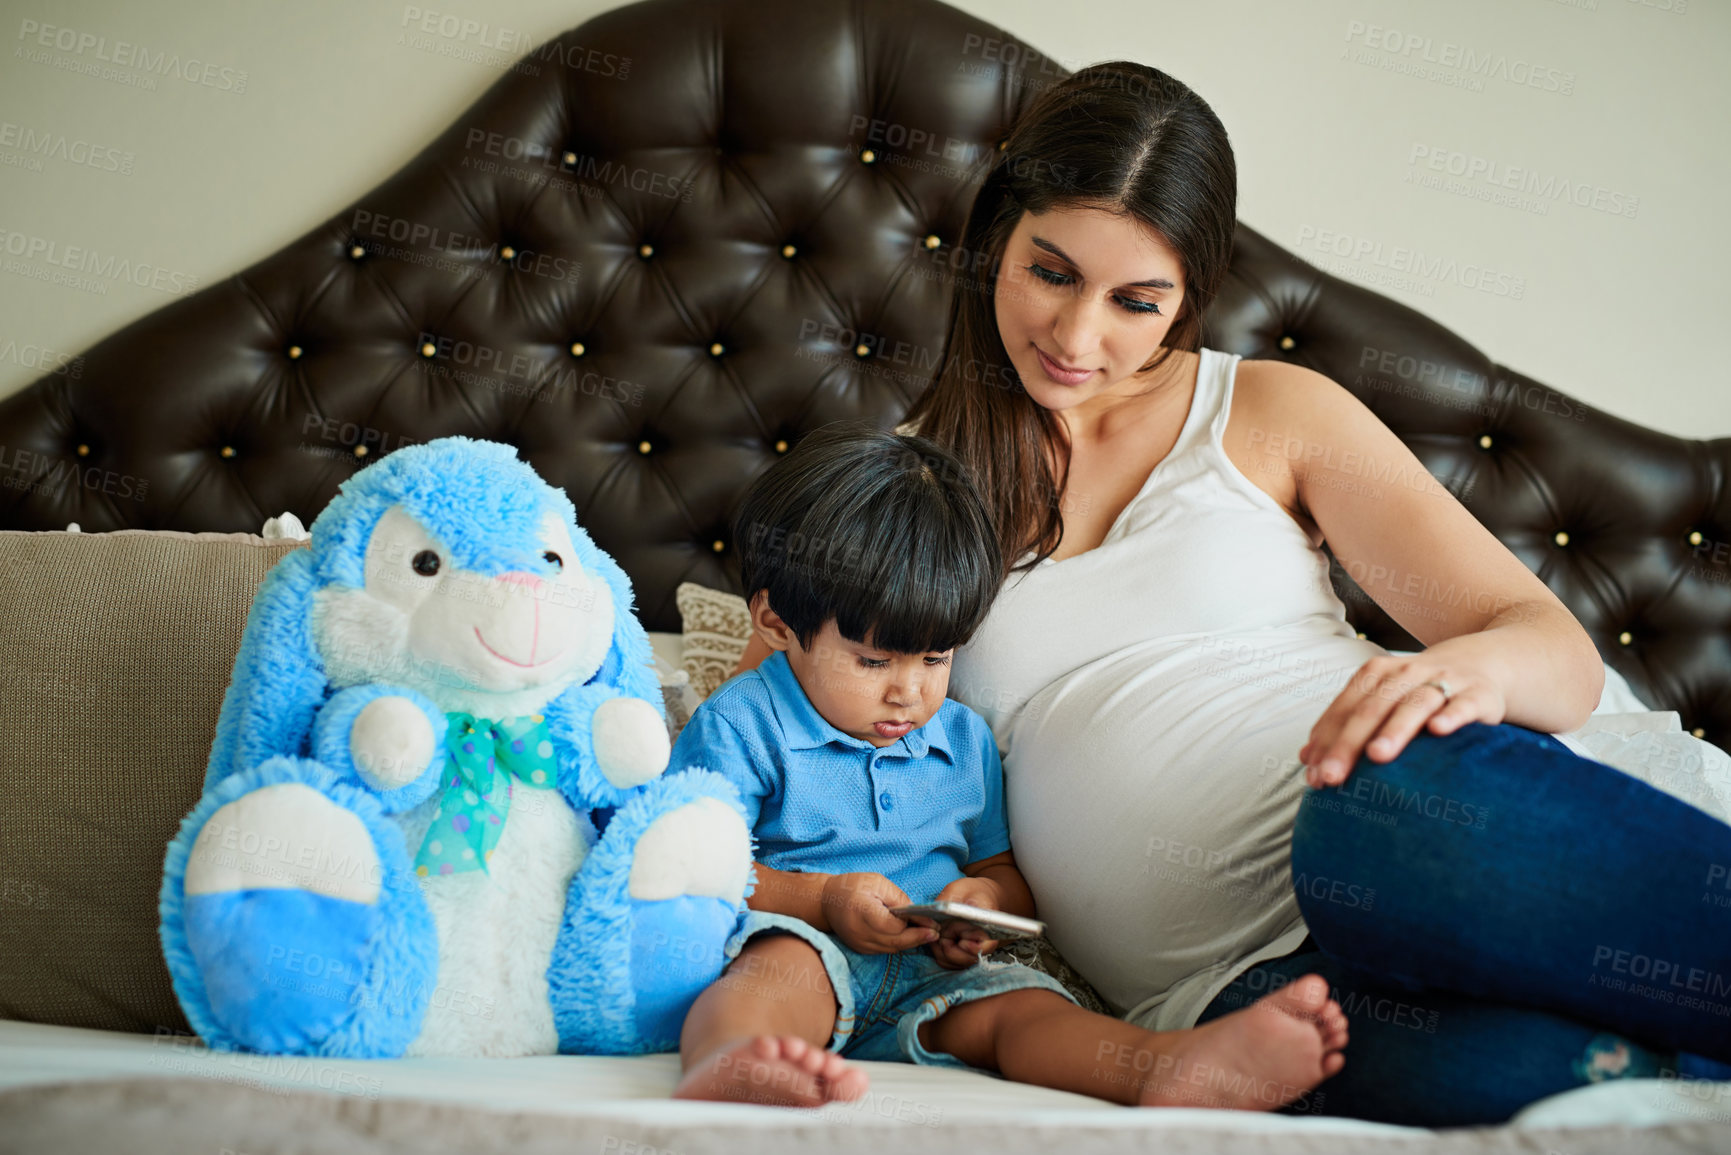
1502,919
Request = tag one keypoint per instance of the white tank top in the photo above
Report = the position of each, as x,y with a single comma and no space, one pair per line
1149,698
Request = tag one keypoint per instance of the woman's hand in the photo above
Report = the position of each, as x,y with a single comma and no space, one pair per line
858,909
961,944
1386,703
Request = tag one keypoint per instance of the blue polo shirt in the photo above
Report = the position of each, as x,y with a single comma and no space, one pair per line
818,800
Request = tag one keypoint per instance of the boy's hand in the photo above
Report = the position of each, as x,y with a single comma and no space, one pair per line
858,908
961,944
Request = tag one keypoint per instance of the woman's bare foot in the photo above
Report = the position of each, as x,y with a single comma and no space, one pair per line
1256,1059
781,1071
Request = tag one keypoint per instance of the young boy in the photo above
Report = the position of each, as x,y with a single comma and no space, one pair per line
870,556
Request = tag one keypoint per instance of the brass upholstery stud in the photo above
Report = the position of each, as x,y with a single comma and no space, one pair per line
1695,537
862,350
1625,638
1484,441
576,348
294,352
570,158
933,241
227,451
715,349
1562,537
360,451
506,252
717,545
781,447
788,251
867,156
1698,732
357,252
84,451
429,349
1287,343
643,447
645,250
1361,633
1003,144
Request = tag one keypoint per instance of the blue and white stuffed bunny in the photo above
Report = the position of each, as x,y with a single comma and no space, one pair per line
396,853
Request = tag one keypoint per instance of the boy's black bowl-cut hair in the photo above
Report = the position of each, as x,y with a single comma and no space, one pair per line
884,532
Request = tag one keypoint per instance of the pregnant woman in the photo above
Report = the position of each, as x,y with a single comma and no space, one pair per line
1214,785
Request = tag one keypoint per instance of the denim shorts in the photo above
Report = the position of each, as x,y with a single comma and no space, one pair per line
883,998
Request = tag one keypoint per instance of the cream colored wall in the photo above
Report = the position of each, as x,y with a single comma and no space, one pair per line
295,109
1330,102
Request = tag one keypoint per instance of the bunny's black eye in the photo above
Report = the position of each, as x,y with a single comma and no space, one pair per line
558,562
426,563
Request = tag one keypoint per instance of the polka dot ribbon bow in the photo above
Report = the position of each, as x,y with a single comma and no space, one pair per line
475,798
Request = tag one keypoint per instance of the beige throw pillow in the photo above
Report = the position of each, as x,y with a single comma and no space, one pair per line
717,627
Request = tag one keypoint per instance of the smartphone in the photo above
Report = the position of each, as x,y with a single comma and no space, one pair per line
994,922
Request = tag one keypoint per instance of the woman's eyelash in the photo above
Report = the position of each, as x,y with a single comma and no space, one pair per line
1147,308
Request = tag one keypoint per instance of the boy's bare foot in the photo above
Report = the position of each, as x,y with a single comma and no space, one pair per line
1256,1059
777,1070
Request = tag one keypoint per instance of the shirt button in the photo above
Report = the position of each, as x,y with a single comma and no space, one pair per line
887,800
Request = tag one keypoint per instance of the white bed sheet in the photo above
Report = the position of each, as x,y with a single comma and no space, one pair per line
921,1097
925,1100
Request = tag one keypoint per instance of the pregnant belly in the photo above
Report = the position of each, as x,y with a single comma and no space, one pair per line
1151,796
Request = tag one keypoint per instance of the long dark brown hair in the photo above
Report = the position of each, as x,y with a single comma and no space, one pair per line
1118,136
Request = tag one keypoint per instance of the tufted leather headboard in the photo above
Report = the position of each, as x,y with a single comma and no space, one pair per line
666,244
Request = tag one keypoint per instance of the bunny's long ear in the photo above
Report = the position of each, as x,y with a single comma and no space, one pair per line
630,661
278,680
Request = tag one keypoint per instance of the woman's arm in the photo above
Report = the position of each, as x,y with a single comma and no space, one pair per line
1508,649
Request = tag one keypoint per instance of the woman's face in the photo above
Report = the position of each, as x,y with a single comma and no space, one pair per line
1081,289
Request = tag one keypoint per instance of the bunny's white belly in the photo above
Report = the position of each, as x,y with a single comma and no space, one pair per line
497,929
